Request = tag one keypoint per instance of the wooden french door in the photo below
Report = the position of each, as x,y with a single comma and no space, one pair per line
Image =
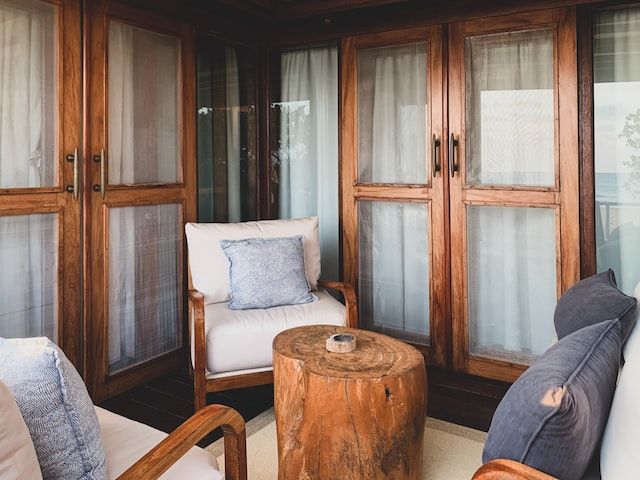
513,166
463,219
141,179
40,164
393,184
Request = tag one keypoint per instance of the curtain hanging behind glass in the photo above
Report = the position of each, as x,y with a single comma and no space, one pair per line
617,143
307,153
28,253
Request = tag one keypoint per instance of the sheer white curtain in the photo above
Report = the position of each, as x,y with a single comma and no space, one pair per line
510,141
308,151
144,246
617,156
393,86
28,260
233,136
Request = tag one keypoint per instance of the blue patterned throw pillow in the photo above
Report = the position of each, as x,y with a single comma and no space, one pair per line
56,407
266,272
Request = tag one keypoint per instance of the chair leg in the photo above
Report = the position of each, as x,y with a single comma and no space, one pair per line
199,391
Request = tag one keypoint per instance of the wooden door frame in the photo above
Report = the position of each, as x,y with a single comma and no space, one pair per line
430,194
563,197
56,199
97,15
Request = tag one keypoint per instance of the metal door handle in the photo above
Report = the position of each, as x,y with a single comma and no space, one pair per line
100,187
435,150
75,188
453,144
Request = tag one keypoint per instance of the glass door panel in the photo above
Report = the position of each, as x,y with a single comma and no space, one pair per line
511,255
617,143
392,114
510,108
393,275
514,197
393,185
39,199
145,92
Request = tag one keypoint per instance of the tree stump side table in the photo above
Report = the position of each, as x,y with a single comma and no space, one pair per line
357,415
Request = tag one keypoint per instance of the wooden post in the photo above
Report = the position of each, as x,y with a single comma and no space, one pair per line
357,415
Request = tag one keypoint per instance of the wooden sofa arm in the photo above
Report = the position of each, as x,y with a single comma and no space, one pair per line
180,441
350,299
197,339
509,470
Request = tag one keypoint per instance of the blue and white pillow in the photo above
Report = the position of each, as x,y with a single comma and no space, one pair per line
266,272
56,407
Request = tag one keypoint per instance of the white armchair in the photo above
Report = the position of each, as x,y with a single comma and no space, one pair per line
232,348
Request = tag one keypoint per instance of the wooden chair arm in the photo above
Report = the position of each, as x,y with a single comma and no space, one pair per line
350,299
509,470
159,459
198,346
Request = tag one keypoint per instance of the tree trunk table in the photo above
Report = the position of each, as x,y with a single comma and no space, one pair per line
357,415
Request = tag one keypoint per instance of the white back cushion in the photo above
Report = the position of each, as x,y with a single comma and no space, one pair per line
619,459
18,459
210,268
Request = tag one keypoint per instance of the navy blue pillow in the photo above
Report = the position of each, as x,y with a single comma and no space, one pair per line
553,416
594,300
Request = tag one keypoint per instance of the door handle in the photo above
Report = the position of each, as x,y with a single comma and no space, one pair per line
435,150
75,188
453,145
99,187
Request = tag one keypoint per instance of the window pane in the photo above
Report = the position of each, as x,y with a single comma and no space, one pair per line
29,275
28,102
617,143
510,109
394,268
227,160
512,281
145,283
392,114
304,156
143,106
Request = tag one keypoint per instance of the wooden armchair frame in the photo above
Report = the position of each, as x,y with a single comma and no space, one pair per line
509,470
203,385
180,441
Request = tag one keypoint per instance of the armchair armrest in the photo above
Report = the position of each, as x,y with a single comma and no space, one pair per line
509,470
180,441
350,299
197,340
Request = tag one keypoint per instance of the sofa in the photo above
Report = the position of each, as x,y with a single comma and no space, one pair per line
134,450
617,457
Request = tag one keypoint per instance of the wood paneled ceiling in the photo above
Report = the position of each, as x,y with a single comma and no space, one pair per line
284,9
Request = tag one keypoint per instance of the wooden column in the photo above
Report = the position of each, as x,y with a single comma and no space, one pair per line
357,415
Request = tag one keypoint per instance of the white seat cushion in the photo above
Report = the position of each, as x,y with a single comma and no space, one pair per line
126,441
209,266
18,458
241,339
619,459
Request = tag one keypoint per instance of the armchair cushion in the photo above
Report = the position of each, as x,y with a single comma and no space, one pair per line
17,455
126,441
266,272
241,339
210,268
56,407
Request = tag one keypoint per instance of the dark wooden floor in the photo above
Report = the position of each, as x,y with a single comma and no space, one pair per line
166,402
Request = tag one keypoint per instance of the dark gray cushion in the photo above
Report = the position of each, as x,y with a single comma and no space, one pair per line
553,416
594,300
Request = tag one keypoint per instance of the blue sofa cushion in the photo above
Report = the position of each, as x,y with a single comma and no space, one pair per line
553,416
56,407
266,272
594,300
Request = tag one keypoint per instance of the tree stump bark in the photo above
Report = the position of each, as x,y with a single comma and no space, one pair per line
357,415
